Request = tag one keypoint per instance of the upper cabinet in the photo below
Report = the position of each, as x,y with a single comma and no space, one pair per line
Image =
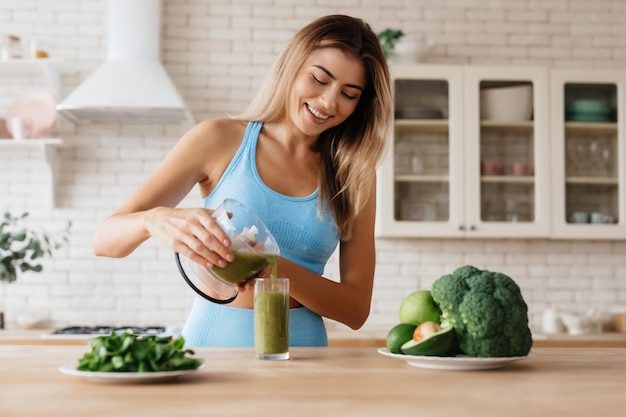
420,189
588,124
468,156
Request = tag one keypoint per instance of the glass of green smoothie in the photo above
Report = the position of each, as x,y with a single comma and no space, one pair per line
271,318
254,248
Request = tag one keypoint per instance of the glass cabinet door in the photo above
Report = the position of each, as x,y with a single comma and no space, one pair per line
589,200
506,152
420,189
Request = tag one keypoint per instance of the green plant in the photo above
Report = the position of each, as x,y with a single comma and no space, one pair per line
126,352
487,311
22,247
387,39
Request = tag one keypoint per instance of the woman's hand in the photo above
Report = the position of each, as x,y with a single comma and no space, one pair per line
249,284
192,232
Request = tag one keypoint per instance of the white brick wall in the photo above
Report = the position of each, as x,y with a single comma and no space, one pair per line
217,52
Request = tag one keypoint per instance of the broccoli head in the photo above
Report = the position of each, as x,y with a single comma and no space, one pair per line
486,310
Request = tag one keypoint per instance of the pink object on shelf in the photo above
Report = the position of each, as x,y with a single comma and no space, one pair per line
490,168
38,107
520,169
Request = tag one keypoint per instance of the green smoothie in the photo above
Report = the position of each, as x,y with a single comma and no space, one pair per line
271,322
243,267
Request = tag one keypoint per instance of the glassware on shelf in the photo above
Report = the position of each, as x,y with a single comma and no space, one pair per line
11,48
594,157
606,161
417,163
512,214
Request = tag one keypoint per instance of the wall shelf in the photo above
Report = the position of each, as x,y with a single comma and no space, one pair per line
49,150
422,178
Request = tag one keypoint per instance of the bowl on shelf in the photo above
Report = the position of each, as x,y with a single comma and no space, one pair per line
588,110
507,104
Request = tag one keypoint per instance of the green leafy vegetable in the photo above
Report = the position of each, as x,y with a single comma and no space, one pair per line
126,352
487,311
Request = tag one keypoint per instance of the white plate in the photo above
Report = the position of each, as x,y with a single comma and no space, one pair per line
453,363
128,377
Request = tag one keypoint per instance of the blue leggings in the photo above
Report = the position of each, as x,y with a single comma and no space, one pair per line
210,324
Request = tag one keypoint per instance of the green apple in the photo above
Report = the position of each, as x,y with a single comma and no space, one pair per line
419,307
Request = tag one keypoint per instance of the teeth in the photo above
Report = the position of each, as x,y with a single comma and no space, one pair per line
317,114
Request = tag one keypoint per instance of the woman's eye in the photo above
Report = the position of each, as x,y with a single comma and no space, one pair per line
348,96
317,80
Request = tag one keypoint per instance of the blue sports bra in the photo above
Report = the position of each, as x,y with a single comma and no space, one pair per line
303,237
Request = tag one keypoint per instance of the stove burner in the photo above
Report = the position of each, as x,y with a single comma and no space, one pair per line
105,330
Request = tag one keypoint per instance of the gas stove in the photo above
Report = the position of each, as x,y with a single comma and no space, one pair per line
82,332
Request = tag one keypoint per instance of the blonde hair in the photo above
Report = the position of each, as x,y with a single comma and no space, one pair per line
351,150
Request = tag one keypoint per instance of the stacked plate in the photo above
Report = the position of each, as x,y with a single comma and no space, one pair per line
418,113
588,110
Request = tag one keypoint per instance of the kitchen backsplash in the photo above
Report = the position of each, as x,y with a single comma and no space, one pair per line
217,53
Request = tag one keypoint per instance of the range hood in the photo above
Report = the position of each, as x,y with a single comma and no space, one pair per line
132,86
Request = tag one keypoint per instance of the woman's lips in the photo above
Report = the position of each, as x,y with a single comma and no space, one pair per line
317,116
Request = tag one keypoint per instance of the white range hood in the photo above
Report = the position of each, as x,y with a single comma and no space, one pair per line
131,86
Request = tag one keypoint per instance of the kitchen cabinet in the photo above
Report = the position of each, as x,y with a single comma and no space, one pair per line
588,125
48,148
454,170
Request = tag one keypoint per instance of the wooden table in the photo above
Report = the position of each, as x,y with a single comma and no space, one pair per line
346,339
321,382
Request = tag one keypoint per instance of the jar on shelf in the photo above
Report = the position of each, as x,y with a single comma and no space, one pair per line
11,48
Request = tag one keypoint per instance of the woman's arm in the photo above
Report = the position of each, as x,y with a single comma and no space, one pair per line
199,157
347,301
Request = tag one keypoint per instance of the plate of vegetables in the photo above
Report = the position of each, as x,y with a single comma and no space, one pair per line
128,358
470,319
453,363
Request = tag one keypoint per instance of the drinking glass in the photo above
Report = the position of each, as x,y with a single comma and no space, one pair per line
271,318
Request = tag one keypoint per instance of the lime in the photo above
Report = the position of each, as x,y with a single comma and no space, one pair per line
419,307
398,335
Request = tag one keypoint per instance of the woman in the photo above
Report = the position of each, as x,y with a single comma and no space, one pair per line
303,158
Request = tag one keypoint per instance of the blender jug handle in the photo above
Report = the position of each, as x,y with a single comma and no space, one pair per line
196,289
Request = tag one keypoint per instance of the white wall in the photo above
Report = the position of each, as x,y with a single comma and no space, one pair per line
217,51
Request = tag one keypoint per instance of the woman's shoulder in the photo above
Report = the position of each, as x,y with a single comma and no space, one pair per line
215,135
219,129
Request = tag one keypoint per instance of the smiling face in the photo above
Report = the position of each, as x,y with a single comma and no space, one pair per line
326,90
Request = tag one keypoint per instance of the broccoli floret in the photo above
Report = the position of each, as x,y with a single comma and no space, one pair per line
487,311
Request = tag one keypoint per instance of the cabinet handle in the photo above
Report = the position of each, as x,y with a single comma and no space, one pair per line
472,228
461,227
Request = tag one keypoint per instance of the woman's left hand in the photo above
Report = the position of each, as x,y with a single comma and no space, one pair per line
249,284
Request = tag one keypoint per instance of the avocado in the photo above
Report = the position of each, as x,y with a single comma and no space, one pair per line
440,343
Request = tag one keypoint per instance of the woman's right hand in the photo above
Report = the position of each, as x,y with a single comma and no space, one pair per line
192,232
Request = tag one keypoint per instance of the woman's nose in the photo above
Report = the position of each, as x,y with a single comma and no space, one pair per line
329,99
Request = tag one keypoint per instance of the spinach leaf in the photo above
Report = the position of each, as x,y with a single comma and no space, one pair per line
126,352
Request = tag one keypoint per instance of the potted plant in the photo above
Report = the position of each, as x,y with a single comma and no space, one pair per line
387,39
22,247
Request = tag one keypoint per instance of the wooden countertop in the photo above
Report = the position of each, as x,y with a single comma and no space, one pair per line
341,338
321,382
